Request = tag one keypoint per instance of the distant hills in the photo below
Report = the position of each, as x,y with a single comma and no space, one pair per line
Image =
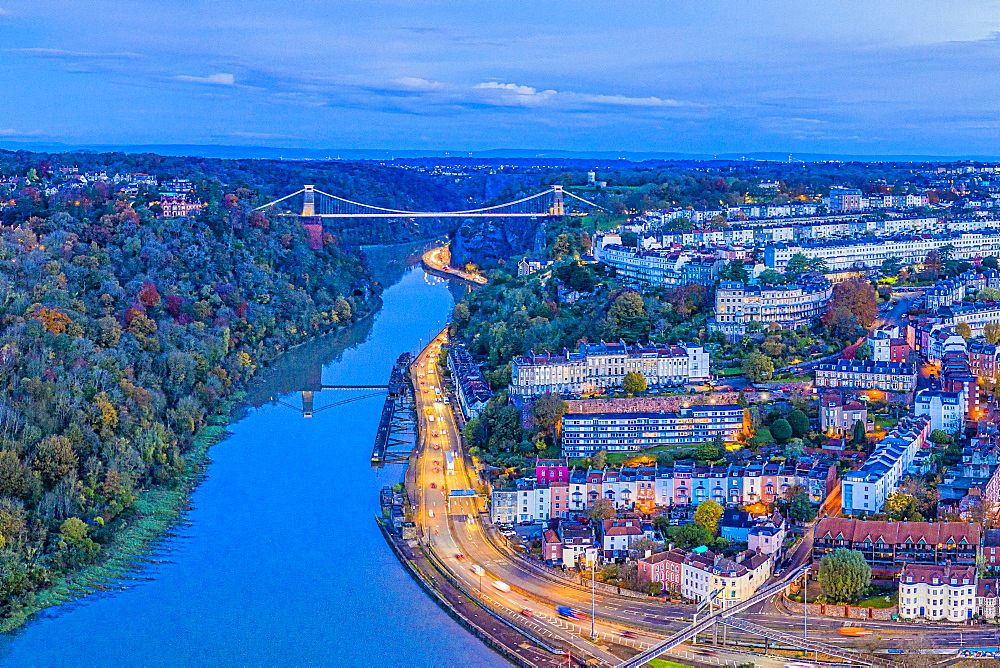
270,153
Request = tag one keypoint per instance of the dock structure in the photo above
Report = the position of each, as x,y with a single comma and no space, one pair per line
394,439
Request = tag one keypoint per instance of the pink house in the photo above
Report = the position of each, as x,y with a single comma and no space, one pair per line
663,567
552,470
552,548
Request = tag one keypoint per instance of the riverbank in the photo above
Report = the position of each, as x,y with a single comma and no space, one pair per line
136,534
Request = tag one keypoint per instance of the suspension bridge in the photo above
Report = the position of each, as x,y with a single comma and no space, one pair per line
312,203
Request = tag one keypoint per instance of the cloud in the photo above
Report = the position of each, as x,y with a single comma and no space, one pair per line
75,55
10,133
262,135
497,94
212,79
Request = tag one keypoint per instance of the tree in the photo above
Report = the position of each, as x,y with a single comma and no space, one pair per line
854,303
797,265
844,574
940,437
707,514
991,332
932,264
734,271
770,277
858,434
707,451
863,352
547,410
799,505
634,383
642,545
630,239
781,430
892,266
900,506
799,423
964,330
690,535
988,295
599,460
602,510
757,367
818,265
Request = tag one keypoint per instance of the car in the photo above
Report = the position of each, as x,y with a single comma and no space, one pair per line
628,634
853,631
461,557
705,652
527,613
500,585
437,470
435,446
433,485
436,463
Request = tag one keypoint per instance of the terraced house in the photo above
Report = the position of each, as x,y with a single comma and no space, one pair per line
599,366
867,375
887,546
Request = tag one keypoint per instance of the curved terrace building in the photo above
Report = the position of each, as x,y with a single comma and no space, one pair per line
791,306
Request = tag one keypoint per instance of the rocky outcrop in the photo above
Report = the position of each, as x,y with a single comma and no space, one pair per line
486,241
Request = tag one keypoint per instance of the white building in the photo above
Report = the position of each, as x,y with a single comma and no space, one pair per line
604,365
736,580
872,252
938,593
865,490
945,409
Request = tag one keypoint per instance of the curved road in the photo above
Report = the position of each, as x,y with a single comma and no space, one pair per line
453,527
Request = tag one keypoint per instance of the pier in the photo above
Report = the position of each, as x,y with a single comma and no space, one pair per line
394,439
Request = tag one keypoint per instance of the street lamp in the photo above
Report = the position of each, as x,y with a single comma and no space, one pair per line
593,601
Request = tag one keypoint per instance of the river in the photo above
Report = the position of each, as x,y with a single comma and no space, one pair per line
280,561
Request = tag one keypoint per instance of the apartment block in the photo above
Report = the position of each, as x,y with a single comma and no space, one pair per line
583,434
887,546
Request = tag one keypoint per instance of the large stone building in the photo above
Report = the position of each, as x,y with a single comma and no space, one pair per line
790,306
583,434
867,375
600,366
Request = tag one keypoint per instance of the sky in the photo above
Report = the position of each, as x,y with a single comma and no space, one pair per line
913,77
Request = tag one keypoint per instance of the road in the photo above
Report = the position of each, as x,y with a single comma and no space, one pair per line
439,259
456,526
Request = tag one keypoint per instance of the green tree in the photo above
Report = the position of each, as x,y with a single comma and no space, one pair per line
991,332
781,430
734,271
798,422
634,383
858,434
757,367
798,504
707,514
707,451
863,352
547,410
818,265
988,295
892,266
770,277
964,330
690,535
940,437
797,265
844,575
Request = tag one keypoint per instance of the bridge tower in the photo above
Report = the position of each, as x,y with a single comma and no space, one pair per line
309,200
558,207
312,224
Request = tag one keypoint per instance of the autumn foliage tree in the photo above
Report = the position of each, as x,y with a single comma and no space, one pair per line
854,303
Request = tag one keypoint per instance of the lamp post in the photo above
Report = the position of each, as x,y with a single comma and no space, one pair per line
593,600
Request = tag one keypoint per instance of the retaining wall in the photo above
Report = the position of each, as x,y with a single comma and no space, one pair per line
842,611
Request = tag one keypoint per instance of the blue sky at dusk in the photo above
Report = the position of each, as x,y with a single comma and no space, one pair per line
901,77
